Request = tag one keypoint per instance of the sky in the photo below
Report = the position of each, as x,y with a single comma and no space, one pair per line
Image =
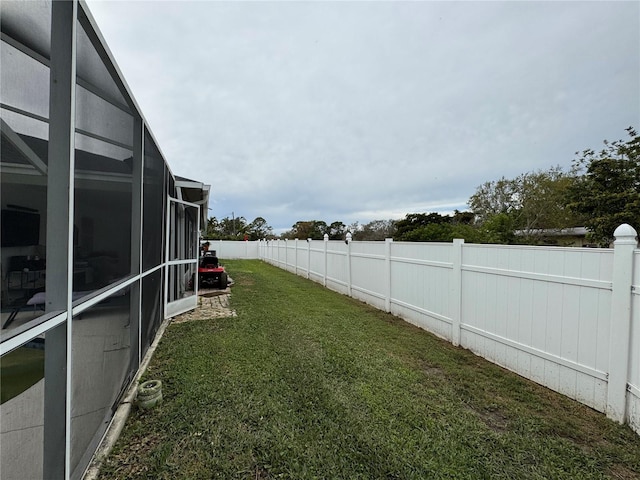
363,110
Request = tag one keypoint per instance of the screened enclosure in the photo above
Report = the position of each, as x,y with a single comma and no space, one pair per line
99,238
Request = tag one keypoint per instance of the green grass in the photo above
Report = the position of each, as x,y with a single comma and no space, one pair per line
305,383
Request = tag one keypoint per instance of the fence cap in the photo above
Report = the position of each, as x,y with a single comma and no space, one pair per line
625,234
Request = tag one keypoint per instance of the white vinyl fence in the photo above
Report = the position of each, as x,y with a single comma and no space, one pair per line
228,249
566,318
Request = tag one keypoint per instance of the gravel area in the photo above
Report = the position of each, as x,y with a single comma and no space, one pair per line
212,303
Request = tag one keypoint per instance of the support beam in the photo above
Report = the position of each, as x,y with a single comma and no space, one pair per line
57,394
137,214
15,140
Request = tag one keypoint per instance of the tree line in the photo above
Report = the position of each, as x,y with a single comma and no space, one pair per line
237,228
600,191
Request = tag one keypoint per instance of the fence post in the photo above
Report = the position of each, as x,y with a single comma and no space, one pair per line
387,269
348,241
324,274
308,258
619,338
455,290
295,257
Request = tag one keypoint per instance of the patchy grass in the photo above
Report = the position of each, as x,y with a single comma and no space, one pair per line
307,384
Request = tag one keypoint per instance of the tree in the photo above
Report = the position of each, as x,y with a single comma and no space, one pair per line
336,231
444,232
354,228
226,229
212,228
463,218
498,229
544,203
429,227
314,229
492,198
234,228
376,230
415,221
259,229
237,228
534,202
607,186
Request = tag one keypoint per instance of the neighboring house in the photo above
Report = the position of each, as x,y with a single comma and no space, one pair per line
564,237
98,237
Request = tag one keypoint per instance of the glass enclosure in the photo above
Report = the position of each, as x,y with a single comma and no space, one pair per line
22,408
24,95
99,244
102,347
155,197
103,176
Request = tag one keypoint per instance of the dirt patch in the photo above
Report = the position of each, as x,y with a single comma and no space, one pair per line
493,419
622,473
129,457
260,473
246,281
432,371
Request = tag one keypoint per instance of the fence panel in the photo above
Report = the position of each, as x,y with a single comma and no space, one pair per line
234,250
290,256
302,257
368,276
281,254
633,394
541,312
337,267
317,268
420,285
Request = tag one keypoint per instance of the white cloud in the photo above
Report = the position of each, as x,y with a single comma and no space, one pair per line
344,111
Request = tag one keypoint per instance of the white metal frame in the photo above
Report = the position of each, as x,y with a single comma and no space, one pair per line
57,322
182,305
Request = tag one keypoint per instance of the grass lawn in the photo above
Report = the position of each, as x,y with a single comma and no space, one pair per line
305,383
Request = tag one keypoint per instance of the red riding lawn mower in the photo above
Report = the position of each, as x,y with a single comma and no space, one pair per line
210,273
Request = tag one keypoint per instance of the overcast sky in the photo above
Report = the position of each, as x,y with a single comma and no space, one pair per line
355,111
